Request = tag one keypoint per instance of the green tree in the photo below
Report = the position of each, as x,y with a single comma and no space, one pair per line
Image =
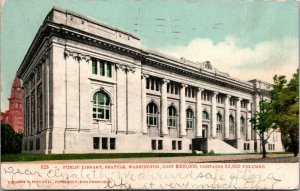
285,101
11,142
263,122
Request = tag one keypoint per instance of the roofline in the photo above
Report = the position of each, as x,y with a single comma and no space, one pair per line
143,50
92,20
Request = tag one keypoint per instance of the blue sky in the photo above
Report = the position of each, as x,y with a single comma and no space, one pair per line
248,39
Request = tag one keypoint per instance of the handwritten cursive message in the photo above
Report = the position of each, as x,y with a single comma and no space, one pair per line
149,176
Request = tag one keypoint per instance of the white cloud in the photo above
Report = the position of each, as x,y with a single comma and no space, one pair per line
262,62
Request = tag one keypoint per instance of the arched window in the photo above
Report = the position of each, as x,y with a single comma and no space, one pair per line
231,124
152,114
189,119
171,117
205,115
219,122
101,106
242,123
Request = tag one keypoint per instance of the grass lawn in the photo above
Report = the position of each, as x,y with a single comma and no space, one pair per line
41,157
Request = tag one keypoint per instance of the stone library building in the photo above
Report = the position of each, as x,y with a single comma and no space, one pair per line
93,88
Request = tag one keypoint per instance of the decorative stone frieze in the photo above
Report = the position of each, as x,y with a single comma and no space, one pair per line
125,67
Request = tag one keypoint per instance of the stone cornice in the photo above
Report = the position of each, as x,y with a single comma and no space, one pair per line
225,82
50,29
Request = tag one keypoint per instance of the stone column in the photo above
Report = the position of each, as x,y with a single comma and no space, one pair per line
248,123
226,117
214,115
182,111
144,103
238,118
199,113
164,107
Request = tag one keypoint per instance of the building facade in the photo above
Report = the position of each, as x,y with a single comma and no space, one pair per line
14,115
92,88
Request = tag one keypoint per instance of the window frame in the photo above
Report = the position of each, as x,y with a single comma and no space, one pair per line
205,113
232,102
242,125
172,118
231,124
98,107
153,115
108,69
96,143
189,118
94,66
219,122
205,96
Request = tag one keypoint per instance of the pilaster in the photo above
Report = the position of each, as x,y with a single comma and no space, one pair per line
199,113
248,123
226,117
164,107
238,118
72,98
85,113
182,111
257,100
214,115
144,103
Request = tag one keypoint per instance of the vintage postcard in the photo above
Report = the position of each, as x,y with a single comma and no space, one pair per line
137,94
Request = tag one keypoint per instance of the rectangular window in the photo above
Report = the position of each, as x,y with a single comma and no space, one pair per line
152,83
25,146
153,144
112,143
160,145
245,147
31,145
157,85
104,143
190,146
94,66
96,142
173,145
232,102
176,89
273,146
179,145
37,144
205,96
102,68
243,104
248,146
147,83
108,67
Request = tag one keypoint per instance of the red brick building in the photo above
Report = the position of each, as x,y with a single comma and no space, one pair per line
14,115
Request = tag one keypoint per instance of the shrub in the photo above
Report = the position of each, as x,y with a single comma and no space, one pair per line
11,142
